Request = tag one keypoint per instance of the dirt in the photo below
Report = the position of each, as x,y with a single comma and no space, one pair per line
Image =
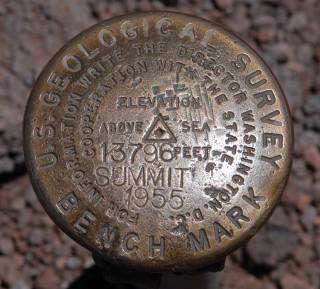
285,254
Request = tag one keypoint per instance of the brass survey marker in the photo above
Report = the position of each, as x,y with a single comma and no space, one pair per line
159,141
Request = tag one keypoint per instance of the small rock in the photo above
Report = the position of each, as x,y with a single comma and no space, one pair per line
279,217
62,250
224,4
35,236
298,21
60,262
295,196
303,255
281,51
317,246
18,204
265,34
24,217
308,218
290,83
7,165
8,270
6,246
235,277
262,20
312,105
289,281
88,262
19,285
302,201
30,197
74,263
272,245
47,280
22,246
312,157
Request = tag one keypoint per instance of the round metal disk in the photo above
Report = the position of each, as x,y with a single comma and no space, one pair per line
158,140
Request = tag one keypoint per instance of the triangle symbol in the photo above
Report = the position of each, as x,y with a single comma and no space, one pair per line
159,131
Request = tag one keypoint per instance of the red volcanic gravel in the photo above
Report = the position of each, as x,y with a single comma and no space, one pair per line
285,254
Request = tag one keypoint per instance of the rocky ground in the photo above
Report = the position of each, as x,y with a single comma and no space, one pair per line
284,255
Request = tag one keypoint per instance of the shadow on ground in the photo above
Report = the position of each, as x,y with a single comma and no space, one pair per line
92,278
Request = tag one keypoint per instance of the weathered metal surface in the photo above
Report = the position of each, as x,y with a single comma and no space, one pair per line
158,140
